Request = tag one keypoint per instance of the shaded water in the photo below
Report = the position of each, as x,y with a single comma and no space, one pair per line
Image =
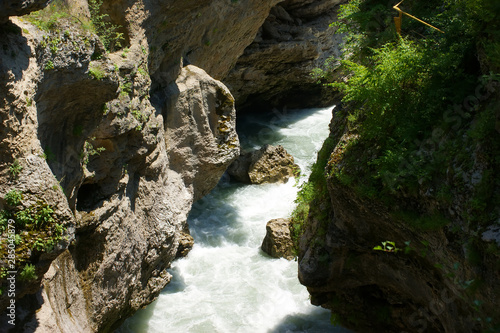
226,283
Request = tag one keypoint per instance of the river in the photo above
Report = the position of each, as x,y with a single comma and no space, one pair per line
226,283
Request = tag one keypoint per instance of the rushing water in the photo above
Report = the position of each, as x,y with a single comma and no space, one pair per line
226,283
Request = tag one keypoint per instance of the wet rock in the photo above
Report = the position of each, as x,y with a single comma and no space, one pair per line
270,164
278,242
492,234
186,242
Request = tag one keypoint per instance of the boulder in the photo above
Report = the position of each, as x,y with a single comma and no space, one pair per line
278,242
270,164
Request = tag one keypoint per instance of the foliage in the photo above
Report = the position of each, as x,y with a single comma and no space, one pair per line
90,150
35,217
28,273
4,219
126,89
310,193
15,169
13,197
387,246
49,65
48,18
108,33
405,97
97,72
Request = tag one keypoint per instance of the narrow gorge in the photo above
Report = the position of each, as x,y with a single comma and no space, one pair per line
120,118
107,139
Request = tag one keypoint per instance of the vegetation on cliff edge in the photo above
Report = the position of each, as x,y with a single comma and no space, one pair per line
421,108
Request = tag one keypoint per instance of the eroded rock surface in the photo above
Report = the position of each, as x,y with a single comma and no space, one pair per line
275,70
119,174
120,144
200,129
270,164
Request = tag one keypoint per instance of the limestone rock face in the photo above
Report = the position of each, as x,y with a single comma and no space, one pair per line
121,144
275,69
419,285
278,242
208,34
270,164
200,126
18,8
120,173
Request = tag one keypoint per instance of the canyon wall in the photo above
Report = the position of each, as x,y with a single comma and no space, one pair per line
379,268
275,70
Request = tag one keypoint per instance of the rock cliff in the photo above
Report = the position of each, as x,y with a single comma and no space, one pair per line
275,70
377,269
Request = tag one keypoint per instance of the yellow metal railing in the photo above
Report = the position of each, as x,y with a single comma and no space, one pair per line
398,20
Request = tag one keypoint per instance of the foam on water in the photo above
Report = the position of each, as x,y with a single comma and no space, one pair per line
226,283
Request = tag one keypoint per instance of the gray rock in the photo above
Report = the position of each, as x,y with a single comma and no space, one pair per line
295,39
129,172
200,129
270,164
278,242
492,234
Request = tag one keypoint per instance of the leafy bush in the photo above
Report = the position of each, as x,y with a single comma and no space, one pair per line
28,273
407,99
15,169
48,18
13,197
110,37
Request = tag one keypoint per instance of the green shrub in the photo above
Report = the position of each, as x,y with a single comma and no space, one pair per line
311,193
97,72
28,273
49,65
108,33
15,169
406,99
4,219
13,197
48,18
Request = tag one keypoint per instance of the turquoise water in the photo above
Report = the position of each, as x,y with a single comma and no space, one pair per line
226,283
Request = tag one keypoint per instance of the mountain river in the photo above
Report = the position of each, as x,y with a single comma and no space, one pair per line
227,283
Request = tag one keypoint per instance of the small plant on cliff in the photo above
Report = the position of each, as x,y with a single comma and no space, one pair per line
48,18
96,72
13,197
108,33
4,219
387,246
28,273
90,150
15,169
49,65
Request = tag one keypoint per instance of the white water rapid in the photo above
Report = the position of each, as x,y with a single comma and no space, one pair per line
226,283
